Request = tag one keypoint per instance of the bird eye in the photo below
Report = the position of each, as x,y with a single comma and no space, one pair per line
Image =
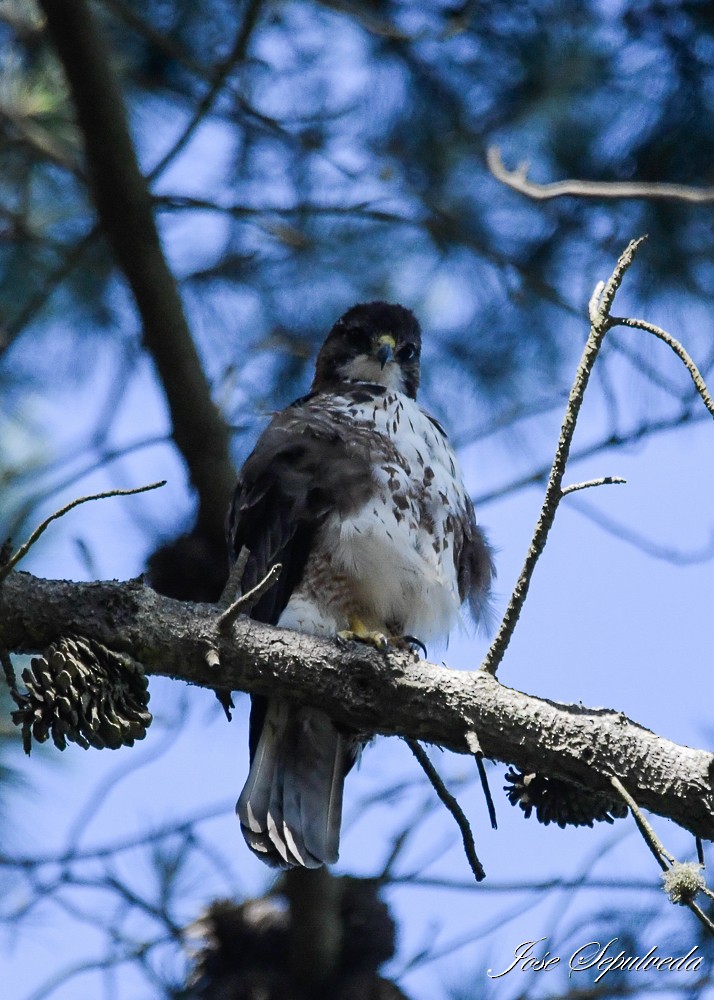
361,339
406,353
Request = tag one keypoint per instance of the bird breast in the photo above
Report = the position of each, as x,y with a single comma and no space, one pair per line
397,549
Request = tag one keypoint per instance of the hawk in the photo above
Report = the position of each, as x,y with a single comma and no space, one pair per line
356,491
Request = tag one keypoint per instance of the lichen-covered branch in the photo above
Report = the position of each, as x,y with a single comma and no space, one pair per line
391,694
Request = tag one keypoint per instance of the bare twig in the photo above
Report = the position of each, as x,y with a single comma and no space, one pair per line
599,309
518,180
415,878
602,481
205,105
247,601
655,549
647,428
650,837
662,856
40,529
474,745
400,841
74,256
452,805
233,584
668,339
486,791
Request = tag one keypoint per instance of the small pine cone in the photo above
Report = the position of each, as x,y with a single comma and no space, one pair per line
558,801
82,692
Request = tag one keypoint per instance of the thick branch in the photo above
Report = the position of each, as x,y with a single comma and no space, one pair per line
408,697
124,206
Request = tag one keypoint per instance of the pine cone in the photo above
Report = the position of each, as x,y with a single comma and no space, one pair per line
558,801
80,691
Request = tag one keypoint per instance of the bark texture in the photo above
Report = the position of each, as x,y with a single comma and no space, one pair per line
392,694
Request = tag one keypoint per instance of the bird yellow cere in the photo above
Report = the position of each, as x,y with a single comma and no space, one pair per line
356,492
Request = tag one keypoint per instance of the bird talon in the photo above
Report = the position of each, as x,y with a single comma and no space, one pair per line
409,642
371,638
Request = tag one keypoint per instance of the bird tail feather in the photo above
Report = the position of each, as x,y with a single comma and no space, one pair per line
291,806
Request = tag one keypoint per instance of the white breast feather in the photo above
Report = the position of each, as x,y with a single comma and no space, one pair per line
399,557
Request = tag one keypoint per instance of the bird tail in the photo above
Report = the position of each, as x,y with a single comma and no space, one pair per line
291,806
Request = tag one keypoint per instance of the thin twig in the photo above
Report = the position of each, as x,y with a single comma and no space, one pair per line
452,805
650,837
207,102
402,838
247,601
39,530
681,353
678,557
602,481
73,258
474,745
599,310
518,180
615,440
486,791
701,915
661,854
233,583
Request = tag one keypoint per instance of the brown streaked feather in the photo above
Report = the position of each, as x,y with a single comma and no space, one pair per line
303,468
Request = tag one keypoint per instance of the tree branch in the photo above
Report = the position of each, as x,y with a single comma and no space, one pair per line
41,528
664,859
452,804
518,180
125,211
599,310
667,338
412,698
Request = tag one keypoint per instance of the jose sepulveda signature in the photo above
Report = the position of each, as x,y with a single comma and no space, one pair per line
602,958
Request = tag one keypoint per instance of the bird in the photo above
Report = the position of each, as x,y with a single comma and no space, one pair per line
356,492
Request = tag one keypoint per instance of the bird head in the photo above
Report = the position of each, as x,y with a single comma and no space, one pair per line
372,342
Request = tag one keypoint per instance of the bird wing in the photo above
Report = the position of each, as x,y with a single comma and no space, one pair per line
304,467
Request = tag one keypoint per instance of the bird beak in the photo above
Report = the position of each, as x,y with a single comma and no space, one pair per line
385,349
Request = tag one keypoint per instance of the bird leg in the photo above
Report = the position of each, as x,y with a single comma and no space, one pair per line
359,632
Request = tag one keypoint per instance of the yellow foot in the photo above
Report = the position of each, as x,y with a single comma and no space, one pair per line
372,637
359,632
